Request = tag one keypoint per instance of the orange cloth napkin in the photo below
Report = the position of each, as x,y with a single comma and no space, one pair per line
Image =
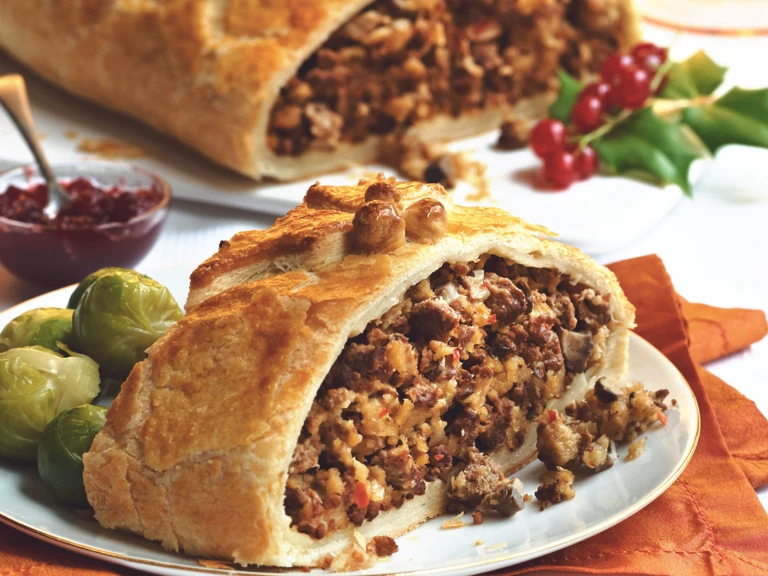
717,332
708,522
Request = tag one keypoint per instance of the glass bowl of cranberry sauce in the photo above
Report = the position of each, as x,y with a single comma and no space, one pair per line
113,218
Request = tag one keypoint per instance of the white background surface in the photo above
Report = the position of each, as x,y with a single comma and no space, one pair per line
715,246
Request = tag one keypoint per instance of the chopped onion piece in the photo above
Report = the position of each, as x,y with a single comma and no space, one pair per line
448,292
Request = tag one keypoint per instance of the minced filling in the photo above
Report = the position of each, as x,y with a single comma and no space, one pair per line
582,437
403,61
456,370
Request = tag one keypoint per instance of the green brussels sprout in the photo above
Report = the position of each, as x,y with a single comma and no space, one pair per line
90,279
40,327
35,385
60,454
121,315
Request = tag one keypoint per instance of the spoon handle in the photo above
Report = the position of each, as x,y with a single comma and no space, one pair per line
13,97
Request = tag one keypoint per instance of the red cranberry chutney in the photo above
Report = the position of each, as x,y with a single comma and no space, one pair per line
89,205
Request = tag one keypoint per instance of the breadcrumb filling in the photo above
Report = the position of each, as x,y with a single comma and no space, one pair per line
399,62
455,371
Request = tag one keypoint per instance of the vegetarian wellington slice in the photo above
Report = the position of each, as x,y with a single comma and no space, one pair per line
257,85
376,358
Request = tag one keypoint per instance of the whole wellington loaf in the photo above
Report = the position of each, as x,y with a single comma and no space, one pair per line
377,357
298,87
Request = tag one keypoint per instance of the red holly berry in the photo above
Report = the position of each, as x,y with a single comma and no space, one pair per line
559,169
631,88
600,90
649,56
585,163
614,65
587,114
547,137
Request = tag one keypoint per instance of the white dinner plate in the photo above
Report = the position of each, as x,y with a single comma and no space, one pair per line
602,500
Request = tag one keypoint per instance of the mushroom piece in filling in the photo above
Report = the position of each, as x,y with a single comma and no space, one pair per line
454,372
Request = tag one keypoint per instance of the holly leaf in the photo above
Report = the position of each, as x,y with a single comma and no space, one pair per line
646,143
738,117
566,97
697,76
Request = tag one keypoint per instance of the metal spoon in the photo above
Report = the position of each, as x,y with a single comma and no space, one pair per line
13,97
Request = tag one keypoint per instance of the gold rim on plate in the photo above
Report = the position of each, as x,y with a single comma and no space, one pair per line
564,542
704,30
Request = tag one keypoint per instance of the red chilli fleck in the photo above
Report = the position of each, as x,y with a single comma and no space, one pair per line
662,417
552,415
384,412
360,495
491,318
456,356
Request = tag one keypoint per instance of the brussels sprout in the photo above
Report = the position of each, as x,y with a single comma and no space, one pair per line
121,315
90,279
41,327
60,454
35,385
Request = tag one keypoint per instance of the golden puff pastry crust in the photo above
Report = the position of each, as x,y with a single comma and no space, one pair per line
197,446
208,72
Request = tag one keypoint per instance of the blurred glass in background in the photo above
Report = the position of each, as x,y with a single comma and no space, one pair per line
739,18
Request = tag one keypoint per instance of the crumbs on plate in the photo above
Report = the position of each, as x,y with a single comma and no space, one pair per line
636,448
218,564
455,522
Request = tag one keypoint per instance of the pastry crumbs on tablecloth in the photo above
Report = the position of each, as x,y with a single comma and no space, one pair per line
371,177
434,163
110,149
361,176
513,134
477,517
479,542
498,546
474,172
70,134
454,522
636,448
